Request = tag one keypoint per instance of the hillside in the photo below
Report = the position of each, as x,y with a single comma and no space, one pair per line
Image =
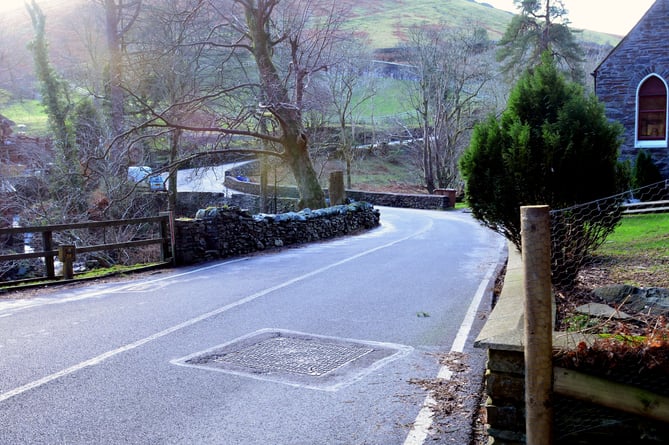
386,21
72,25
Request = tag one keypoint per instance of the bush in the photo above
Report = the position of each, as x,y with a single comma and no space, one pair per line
644,174
552,146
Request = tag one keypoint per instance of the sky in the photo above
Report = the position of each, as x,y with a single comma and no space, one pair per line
615,17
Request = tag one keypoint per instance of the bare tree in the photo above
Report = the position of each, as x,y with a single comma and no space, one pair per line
120,15
161,73
348,92
454,88
262,55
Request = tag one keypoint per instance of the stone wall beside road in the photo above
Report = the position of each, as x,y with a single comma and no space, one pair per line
220,232
411,201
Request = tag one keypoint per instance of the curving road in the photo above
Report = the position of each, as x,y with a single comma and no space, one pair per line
304,346
206,179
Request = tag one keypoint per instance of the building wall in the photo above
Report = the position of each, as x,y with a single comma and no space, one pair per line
642,52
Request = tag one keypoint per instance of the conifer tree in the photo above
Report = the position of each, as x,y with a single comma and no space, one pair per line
541,26
551,146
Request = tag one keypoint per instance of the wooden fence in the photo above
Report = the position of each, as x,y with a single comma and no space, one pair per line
67,252
646,207
542,380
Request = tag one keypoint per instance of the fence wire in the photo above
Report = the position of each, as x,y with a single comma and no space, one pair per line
577,231
578,267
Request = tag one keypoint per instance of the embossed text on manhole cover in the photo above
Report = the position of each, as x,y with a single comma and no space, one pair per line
296,358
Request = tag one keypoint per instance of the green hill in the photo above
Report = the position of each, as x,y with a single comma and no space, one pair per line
385,22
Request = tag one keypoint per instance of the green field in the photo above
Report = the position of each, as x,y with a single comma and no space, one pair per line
29,113
389,102
639,235
637,252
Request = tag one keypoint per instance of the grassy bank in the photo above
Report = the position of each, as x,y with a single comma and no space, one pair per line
637,253
29,113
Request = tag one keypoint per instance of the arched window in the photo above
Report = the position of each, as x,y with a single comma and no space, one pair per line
652,112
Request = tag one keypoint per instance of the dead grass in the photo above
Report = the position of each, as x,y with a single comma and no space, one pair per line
643,271
635,346
458,413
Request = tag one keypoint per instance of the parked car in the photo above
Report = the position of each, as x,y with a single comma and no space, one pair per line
143,176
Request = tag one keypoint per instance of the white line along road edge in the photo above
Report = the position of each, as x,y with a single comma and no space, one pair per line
421,426
109,354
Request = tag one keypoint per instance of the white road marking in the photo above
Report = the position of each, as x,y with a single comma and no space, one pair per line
10,307
13,306
399,352
109,354
421,426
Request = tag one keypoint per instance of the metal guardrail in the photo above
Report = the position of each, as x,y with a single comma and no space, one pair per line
67,253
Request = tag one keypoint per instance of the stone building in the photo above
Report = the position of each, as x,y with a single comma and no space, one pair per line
632,82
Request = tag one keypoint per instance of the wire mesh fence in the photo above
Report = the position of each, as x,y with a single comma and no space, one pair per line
579,230
581,423
632,337
576,232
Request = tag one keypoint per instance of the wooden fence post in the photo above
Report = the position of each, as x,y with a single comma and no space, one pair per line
67,254
47,245
168,245
336,188
536,252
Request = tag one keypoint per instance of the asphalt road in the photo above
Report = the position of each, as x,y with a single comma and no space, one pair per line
206,179
304,346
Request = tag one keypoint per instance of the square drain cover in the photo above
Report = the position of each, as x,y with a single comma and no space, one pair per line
298,359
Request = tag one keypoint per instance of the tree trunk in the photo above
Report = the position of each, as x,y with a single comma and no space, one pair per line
427,154
293,139
299,161
442,181
264,195
172,179
113,12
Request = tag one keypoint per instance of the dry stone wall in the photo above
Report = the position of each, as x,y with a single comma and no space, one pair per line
411,201
220,232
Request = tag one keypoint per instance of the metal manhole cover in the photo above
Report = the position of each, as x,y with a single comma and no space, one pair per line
296,358
305,356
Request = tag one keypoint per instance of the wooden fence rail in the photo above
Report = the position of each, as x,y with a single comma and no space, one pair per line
646,207
67,253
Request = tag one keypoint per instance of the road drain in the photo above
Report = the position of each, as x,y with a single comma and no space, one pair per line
296,358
